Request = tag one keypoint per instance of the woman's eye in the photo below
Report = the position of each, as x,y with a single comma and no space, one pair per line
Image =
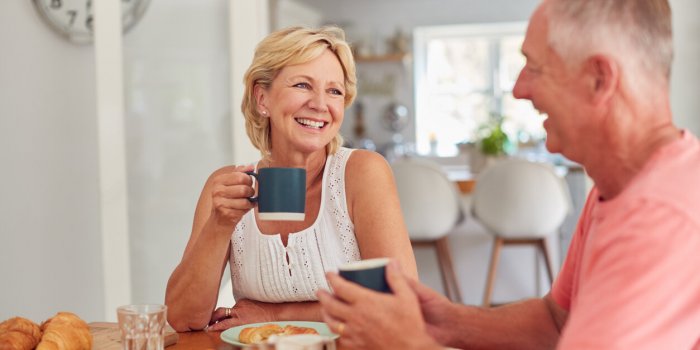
303,85
336,92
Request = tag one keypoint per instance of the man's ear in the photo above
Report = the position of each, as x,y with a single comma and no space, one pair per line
604,75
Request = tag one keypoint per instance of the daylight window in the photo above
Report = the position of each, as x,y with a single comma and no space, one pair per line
465,75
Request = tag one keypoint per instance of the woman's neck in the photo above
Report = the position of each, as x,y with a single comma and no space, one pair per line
314,164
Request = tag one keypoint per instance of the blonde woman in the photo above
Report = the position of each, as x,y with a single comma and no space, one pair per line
296,91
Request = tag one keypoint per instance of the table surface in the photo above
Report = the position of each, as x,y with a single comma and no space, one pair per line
106,336
186,340
207,341
201,340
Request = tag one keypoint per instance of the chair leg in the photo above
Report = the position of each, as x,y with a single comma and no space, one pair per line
449,278
495,255
542,244
443,273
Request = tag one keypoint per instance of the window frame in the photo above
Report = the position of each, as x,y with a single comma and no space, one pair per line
422,37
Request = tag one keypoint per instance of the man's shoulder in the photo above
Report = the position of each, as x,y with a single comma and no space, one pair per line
671,177
675,168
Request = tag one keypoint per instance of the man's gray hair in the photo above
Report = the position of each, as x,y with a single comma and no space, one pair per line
637,32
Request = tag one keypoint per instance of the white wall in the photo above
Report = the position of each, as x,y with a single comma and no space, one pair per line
178,84
178,127
50,246
288,13
686,65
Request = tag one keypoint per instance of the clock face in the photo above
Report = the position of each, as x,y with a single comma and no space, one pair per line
74,20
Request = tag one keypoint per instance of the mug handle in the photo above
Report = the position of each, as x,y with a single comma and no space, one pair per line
254,175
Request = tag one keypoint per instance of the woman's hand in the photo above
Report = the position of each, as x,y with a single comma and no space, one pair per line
244,312
229,195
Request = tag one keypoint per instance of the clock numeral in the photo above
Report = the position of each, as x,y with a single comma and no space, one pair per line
88,22
56,4
72,14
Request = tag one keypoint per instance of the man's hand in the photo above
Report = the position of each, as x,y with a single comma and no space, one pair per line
439,313
366,319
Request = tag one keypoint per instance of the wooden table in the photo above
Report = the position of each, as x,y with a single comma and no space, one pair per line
106,336
460,175
201,340
465,186
207,341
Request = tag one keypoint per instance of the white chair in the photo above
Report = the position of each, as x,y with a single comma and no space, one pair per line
431,209
519,202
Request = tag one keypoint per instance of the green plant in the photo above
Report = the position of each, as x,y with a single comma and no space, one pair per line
493,141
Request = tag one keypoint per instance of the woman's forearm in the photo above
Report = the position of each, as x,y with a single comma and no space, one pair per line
193,287
299,311
248,311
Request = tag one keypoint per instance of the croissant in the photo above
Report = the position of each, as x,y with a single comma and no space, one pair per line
19,333
292,330
252,335
65,331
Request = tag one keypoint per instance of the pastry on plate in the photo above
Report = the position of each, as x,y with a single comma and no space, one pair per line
292,330
254,335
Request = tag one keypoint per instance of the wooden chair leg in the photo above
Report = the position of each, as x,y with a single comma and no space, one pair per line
449,278
547,260
495,255
443,273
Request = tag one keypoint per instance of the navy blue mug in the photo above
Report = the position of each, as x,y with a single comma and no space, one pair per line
281,193
370,273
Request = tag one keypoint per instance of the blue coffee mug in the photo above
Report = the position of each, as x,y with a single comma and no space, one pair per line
370,273
281,193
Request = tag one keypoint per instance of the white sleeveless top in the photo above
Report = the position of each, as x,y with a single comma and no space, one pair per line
259,267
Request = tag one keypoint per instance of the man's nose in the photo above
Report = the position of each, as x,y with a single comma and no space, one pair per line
521,90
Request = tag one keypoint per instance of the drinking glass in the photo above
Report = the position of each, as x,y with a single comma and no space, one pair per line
142,326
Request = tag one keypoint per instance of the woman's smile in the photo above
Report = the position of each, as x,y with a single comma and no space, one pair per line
311,124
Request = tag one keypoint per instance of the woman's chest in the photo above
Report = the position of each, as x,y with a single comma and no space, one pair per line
284,228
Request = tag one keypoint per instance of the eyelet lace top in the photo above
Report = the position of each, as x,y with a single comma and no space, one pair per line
259,267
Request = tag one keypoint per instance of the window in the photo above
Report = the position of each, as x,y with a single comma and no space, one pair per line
465,75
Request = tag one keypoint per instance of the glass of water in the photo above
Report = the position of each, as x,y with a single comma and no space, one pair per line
142,326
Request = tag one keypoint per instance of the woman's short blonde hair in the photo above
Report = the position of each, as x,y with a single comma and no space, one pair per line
290,46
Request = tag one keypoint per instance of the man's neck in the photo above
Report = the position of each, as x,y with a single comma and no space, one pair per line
626,154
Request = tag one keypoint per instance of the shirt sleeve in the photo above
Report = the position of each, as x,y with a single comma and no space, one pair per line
563,288
639,284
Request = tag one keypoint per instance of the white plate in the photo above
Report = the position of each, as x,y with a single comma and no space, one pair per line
231,335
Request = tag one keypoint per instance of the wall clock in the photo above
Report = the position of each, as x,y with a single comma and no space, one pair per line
73,19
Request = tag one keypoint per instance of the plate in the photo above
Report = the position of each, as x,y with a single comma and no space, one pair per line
231,335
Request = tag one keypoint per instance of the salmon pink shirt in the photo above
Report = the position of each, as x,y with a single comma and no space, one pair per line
631,279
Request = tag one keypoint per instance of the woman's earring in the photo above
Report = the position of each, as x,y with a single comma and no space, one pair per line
264,113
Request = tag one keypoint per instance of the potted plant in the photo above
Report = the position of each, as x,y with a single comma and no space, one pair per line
492,143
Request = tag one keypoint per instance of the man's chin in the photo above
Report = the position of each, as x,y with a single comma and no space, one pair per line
551,145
